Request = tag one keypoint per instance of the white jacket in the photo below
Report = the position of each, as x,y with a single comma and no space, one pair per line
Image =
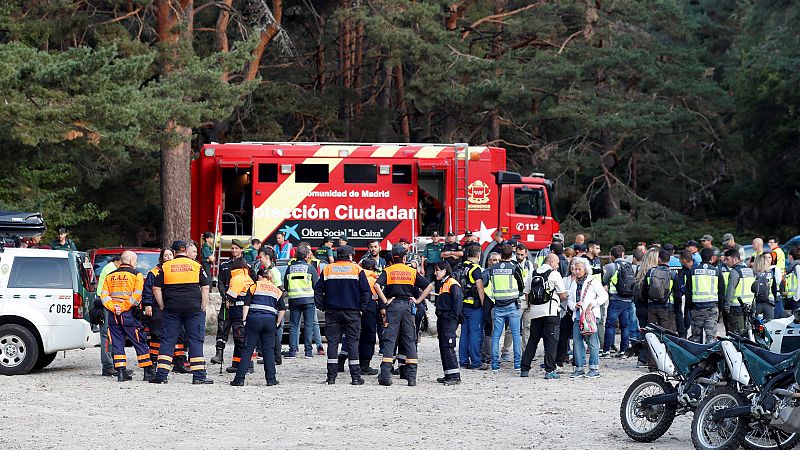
595,297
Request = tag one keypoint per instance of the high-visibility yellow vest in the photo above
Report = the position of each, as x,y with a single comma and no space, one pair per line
298,281
705,285
503,289
791,284
743,289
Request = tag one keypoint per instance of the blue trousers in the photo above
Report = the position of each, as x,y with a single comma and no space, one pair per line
366,342
579,342
510,316
309,313
194,323
617,310
261,330
469,348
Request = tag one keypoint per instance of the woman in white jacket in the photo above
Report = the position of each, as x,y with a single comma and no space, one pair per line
584,292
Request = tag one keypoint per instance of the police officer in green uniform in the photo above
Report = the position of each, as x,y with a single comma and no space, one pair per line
432,255
740,280
705,290
62,243
325,251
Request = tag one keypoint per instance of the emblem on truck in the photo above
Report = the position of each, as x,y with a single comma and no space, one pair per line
478,196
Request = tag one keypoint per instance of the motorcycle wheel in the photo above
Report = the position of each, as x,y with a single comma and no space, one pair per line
723,434
761,438
646,424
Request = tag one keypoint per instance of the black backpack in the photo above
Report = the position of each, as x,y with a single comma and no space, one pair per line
625,279
761,287
658,287
97,314
539,294
461,274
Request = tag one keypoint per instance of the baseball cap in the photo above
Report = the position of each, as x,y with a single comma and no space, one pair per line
669,247
707,237
398,250
404,240
691,242
344,251
327,239
435,233
468,233
558,237
343,237
450,233
178,245
727,237
239,243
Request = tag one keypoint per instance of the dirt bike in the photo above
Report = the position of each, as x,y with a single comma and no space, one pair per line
762,400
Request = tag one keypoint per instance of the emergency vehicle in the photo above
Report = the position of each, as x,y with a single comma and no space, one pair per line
366,191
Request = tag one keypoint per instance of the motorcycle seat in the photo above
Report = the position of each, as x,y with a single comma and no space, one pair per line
771,357
693,347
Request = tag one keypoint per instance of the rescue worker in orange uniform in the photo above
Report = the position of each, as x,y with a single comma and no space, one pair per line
181,291
449,301
343,292
238,288
395,289
122,292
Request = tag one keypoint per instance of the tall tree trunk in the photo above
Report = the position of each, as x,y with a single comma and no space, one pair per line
176,186
173,27
264,39
405,127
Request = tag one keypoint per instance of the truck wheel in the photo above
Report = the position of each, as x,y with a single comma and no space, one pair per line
45,359
19,350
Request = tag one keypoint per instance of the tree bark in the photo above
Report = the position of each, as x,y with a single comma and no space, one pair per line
405,127
175,158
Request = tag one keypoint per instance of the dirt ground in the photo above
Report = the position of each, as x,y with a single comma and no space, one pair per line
69,405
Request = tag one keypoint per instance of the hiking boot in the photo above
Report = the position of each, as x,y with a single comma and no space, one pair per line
273,382
385,382
217,358
149,373
202,381
122,375
237,382
330,381
290,354
368,370
524,374
109,372
552,375
231,369
593,373
357,381
578,373
441,380
158,381
412,382
452,381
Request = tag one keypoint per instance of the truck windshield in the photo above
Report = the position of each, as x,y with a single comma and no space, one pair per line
529,201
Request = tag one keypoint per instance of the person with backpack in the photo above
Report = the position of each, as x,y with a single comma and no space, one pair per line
705,290
469,276
661,295
585,295
765,287
740,281
546,292
619,279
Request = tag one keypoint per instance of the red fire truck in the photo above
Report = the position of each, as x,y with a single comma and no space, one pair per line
366,192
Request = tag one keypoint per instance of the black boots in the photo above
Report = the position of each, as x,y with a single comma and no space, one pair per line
217,358
122,375
149,373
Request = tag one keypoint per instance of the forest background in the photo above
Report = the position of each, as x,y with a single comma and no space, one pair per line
656,119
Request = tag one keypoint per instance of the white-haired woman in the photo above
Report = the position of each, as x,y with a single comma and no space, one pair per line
584,293
765,301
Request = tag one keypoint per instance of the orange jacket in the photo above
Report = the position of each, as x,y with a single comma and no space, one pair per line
122,287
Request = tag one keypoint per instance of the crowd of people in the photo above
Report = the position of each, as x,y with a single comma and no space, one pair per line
571,298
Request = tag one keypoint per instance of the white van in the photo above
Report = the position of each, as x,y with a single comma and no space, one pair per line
44,297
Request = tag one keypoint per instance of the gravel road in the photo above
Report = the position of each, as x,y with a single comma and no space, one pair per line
69,405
